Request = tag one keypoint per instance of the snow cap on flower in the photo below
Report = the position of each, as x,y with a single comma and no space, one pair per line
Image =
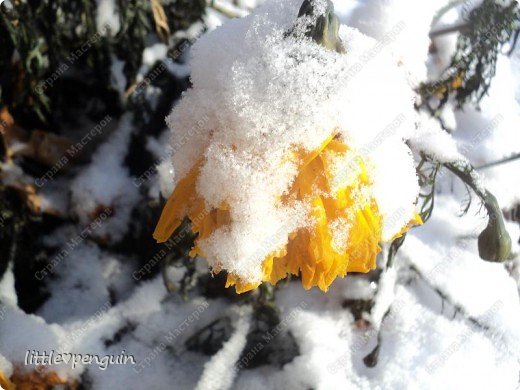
290,157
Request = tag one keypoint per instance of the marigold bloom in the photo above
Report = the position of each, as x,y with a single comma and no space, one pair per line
314,252
290,152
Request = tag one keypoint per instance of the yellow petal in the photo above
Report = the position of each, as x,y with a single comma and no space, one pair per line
176,207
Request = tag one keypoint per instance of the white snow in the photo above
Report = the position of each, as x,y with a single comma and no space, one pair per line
246,141
220,371
105,189
96,307
434,141
377,18
107,17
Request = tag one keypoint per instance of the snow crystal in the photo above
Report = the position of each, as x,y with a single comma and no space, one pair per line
340,228
265,95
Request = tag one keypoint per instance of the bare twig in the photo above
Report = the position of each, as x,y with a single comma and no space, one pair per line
446,298
515,156
449,30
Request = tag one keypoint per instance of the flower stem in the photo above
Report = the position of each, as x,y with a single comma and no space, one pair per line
499,162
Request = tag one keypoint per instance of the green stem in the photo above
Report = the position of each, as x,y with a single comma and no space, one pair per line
449,30
499,162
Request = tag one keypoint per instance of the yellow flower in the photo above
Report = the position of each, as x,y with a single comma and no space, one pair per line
311,251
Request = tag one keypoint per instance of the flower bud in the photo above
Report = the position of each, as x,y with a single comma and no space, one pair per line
494,243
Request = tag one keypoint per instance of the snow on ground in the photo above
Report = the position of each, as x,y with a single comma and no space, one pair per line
108,17
106,183
454,320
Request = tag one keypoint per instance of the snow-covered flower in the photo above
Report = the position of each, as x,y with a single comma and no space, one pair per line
301,166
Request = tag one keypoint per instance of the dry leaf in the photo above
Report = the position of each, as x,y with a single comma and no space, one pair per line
46,148
161,22
39,379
